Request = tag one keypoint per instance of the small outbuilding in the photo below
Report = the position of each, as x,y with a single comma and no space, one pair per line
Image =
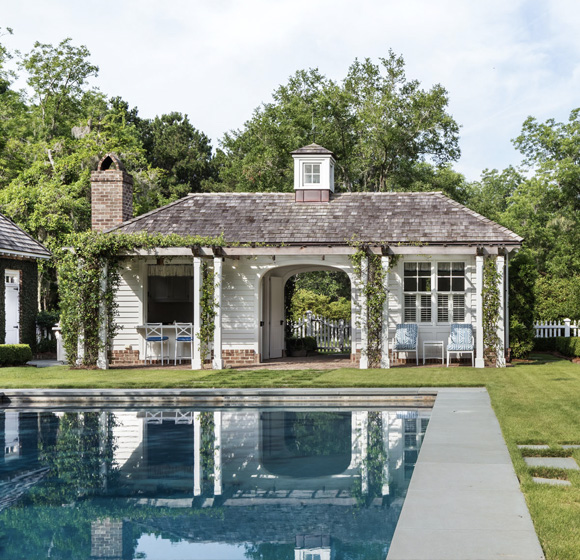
19,255
432,250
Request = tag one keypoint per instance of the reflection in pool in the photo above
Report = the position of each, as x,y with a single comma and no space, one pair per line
257,484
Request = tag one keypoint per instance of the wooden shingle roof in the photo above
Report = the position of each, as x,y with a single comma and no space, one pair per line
275,218
15,242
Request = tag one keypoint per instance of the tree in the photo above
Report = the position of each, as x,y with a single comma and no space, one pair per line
58,77
385,131
184,154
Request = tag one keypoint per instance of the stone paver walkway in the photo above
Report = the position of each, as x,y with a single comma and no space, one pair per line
552,462
464,501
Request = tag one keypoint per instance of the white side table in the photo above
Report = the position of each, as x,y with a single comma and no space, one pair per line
434,344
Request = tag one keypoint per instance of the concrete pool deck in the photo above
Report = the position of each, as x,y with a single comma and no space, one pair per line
464,501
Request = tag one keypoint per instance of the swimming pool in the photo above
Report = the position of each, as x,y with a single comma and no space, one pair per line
261,482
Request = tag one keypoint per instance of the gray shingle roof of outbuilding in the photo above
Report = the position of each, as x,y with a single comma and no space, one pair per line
275,218
16,242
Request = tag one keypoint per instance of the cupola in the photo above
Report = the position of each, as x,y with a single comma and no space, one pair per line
313,173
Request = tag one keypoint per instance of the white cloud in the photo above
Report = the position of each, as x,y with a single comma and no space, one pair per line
219,59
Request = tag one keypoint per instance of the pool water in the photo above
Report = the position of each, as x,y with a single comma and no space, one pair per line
259,484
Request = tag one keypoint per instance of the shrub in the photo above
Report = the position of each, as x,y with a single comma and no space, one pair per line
14,354
46,345
567,346
295,344
545,344
521,339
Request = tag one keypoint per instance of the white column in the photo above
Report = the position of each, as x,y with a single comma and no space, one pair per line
217,454
500,264
385,363
217,333
103,357
507,301
197,454
196,362
479,362
364,315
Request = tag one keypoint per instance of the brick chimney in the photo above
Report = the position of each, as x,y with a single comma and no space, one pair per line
111,194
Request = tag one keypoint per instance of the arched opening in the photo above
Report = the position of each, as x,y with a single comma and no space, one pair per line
288,293
306,444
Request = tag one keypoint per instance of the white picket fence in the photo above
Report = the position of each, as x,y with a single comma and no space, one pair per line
331,336
547,329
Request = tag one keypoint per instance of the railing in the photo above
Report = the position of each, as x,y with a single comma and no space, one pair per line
331,336
547,329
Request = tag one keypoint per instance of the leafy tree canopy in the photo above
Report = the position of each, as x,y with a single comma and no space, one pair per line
386,131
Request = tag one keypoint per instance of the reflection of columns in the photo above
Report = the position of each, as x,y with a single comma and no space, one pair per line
217,333
364,448
103,444
196,362
364,314
385,423
385,320
217,454
197,454
102,359
500,359
479,362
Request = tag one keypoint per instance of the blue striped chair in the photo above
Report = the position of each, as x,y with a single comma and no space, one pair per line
406,339
461,341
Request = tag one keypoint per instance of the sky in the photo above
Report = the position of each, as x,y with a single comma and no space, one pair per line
217,60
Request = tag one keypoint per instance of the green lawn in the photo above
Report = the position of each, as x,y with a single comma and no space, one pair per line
537,402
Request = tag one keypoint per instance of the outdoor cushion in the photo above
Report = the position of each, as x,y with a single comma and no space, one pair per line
156,338
406,337
461,338
183,339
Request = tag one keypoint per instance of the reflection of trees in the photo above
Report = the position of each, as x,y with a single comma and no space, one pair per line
207,445
80,458
269,551
373,463
316,434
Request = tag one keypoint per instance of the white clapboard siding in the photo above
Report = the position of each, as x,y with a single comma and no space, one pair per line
129,298
128,434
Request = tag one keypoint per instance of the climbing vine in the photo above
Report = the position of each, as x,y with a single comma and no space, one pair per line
491,311
89,275
208,311
375,291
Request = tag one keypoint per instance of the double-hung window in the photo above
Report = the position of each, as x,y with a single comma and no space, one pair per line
417,292
450,292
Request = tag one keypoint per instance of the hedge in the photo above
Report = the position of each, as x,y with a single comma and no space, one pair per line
567,346
14,354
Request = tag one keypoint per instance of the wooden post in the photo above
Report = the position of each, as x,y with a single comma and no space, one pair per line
217,334
479,361
385,363
103,357
500,358
364,314
197,360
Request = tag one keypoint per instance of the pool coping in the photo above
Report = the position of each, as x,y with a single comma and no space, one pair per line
464,465
365,397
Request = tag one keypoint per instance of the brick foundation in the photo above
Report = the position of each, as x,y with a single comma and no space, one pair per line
126,358
238,358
